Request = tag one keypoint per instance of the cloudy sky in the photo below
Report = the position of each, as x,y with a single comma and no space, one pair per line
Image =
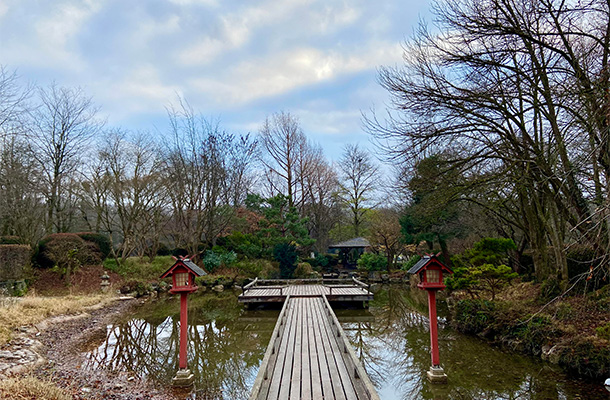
236,61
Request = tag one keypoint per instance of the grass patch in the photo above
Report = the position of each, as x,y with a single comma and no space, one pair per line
32,310
140,268
31,388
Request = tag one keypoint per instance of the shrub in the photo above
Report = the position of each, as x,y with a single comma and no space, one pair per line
303,270
254,268
549,289
411,261
286,255
66,252
482,268
140,268
534,332
102,242
214,260
14,259
372,262
603,331
473,316
180,252
11,240
587,358
213,280
163,250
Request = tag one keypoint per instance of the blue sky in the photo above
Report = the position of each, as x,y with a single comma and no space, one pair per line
236,61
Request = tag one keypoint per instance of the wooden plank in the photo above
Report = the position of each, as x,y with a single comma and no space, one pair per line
342,383
363,383
305,351
278,370
260,388
314,363
288,367
295,379
324,369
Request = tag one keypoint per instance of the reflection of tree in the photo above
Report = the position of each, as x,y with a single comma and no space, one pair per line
395,351
224,354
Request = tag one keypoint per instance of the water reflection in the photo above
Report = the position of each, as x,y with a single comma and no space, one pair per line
227,344
224,352
395,351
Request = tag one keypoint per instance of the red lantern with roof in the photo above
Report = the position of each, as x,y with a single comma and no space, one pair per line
183,274
431,273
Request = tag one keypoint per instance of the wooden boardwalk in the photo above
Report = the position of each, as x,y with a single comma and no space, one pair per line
309,357
352,290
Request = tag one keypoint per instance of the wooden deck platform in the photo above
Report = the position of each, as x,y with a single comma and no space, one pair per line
309,357
346,291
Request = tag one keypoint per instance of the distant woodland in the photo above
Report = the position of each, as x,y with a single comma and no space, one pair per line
498,126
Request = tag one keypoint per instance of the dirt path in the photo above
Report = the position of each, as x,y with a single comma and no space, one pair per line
54,350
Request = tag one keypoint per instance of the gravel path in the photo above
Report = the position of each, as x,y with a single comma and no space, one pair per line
54,350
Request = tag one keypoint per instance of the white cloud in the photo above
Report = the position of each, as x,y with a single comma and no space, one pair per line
56,30
280,73
211,3
3,9
237,29
140,91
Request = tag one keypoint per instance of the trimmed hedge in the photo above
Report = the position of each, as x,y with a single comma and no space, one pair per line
102,241
11,240
14,258
51,250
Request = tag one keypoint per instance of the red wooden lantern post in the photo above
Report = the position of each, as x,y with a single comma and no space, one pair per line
183,274
431,271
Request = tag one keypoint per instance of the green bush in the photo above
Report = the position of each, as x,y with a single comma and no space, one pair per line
102,242
603,331
372,262
140,268
214,260
411,261
586,358
534,332
482,268
254,268
303,271
163,250
59,247
286,254
213,280
473,316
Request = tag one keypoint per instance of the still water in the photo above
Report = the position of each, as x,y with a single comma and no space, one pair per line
227,344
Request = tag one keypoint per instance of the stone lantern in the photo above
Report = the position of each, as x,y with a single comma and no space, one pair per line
431,273
183,274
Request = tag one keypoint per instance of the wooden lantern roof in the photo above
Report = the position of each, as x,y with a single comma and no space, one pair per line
185,263
428,261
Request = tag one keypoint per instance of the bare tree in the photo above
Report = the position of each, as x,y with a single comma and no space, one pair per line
517,92
60,129
13,102
321,204
284,151
208,174
20,199
358,181
137,193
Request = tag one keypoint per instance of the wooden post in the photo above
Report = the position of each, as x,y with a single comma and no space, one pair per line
433,327
183,330
436,374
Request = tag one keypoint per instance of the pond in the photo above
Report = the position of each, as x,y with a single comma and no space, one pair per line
227,344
